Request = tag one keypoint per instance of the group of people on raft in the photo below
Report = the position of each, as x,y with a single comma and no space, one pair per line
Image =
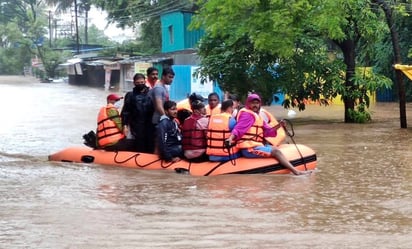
191,130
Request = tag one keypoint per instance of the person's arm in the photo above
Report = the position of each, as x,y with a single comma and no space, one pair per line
162,128
158,100
232,123
246,120
126,112
268,130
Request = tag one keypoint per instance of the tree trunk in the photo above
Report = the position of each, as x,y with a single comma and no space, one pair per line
348,49
397,60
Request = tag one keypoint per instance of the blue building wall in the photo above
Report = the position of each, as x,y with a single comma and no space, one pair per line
385,95
175,33
192,37
181,86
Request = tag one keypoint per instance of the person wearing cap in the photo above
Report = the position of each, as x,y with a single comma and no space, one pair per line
137,115
109,133
194,131
250,131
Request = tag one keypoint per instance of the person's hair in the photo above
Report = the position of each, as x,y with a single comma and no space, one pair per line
151,70
167,71
197,105
213,94
138,76
226,104
234,97
168,104
194,96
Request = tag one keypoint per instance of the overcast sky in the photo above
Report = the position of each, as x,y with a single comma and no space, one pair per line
98,18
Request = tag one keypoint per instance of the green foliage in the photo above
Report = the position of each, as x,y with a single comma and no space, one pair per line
361,114
22,38
271,26
294,34
310,74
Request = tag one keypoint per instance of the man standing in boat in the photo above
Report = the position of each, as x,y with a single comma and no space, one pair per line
137,115
160,94
152,77
250,131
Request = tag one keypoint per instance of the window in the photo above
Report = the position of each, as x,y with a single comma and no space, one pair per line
170,29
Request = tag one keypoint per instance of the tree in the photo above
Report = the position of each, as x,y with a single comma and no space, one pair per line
278,29
397,58
23,31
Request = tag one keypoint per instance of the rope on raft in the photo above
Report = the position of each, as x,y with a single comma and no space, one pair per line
135,156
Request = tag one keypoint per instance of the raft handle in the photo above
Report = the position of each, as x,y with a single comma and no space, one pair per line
87,159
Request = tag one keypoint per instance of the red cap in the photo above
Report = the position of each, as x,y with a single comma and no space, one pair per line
113,96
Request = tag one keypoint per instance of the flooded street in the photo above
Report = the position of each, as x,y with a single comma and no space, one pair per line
360,196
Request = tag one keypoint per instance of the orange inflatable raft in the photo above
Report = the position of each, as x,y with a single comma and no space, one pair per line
301,157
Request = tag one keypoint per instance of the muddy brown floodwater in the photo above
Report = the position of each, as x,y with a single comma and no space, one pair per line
360,196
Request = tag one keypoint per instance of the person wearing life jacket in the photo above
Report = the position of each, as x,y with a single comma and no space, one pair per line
237,105
194,133
271,120
218,130
110,135
250,131
213,106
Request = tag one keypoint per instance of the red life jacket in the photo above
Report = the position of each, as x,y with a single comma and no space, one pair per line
193,137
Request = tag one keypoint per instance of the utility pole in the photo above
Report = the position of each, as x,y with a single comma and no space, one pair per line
50,30
77,27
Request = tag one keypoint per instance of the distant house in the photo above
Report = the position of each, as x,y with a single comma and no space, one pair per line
178,51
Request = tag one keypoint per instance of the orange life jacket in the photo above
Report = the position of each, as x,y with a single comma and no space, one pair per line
183,105
193,137
210,112
107,131
271,120
254,136
217,132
